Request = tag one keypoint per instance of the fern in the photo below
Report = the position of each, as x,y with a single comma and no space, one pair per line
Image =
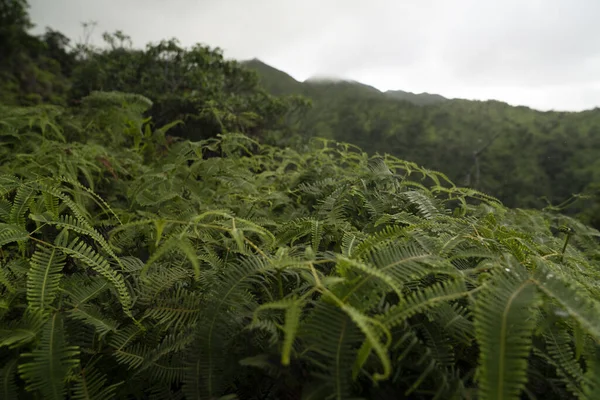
8,387
46,368
92,384
44,277
227,268
504,327
11,233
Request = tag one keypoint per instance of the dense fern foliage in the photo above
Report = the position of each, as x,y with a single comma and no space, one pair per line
133,266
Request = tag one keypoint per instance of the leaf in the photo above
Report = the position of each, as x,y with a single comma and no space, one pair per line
592,378
290,328
160,226
11,233
81,251
91,385
44,277
92,315
372,336
582,307
8,373
21,331
504,326
21,204
46,368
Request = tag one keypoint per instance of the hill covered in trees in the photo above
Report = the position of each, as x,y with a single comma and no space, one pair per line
279,83
169,230
525,157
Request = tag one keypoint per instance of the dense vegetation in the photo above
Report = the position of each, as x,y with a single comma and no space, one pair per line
525,157
164,234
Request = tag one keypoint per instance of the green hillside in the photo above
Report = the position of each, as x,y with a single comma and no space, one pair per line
419,99
525,157
277,82
280,83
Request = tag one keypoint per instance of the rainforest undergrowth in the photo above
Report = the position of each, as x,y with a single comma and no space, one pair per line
137,266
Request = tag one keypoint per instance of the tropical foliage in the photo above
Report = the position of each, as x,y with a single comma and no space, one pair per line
225,268
186,244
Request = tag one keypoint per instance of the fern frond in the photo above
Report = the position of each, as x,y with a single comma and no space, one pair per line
161,280
81,251
559,353
21,203
330,341
424,204
179,310
91,314
44,277
79,225
81,289
90,384
174,243
583,308
133,356
8,373
592,378
207,356
46,368
19,332
504,326
422,300
5,207
11,233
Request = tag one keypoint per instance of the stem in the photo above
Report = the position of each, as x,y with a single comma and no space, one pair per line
562,254
280,284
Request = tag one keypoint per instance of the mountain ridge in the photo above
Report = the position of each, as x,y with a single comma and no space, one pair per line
279,82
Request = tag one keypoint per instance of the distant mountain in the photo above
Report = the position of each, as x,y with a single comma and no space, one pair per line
275,81
280,83
420,99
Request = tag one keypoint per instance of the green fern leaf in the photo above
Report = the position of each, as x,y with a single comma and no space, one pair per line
592,378
330,339
174,243
504,327
44,277
181,309
582,307
82,289
423,300
81,251
11,233
92,315
559,353
46,368
5,207
22,331
90,384
8,373
22,202
372,336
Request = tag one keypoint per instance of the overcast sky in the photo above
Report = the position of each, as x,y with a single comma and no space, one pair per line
541,53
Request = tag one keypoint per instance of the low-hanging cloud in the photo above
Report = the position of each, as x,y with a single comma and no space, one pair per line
543,54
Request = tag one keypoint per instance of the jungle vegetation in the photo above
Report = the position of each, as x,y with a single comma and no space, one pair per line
170,229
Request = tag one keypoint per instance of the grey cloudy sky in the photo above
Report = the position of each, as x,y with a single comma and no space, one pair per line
540,53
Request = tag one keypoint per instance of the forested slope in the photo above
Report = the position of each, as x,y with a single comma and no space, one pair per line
523,156
185,240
